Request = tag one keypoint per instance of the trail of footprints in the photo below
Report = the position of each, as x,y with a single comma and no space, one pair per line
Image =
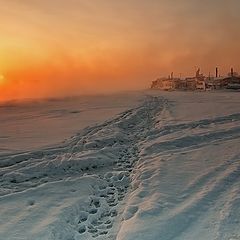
98,219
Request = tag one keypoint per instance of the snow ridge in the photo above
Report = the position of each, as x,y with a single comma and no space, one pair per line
187,181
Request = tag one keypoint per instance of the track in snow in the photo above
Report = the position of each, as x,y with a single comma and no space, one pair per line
186,174
190,181
108,151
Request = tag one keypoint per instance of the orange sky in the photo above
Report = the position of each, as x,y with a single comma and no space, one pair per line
67,47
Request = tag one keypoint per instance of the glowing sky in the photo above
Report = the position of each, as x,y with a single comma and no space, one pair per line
64,47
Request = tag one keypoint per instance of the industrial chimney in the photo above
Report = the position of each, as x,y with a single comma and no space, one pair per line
232,72
216,72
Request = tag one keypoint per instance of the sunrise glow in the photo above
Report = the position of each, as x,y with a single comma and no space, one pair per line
2,79
73,47
119,120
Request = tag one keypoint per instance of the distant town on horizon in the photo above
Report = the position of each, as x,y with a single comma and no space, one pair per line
199,82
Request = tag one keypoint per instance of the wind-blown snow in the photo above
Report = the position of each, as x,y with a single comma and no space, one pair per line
165,169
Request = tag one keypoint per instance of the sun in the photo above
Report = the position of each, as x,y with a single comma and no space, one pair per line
2,79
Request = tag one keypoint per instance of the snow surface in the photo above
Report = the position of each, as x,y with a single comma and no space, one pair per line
165,168
29,125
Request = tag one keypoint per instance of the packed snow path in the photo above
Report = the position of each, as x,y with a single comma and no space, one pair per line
188,173
143,175
108,151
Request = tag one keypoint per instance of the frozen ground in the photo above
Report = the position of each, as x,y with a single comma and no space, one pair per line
166,168
29,125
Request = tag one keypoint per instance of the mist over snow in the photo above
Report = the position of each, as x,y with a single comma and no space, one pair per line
35,123
141,165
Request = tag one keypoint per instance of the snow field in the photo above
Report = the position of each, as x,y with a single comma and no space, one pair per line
167,169
107,153
187,180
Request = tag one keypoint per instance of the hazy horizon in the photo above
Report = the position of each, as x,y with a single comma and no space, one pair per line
62,48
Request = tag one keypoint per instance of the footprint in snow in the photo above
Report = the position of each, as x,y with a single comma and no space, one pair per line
98,219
